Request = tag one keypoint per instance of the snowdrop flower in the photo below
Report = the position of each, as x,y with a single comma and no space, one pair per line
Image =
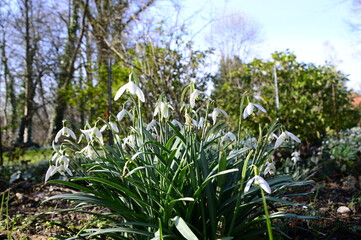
112,125
130,140
270,168
162,108
88,151
92,133
132,88
259,181
152,124
200,123
61,166
194,96
251,143
216,112
295,157
228,135
250,107
175,122
67,132
122,113
285,135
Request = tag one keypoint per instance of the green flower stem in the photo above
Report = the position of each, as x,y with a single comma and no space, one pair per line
240,191
268,220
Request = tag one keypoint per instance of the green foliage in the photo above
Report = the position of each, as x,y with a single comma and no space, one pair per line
344,147
313,99
173,180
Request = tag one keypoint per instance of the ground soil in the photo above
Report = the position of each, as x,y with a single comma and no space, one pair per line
31,217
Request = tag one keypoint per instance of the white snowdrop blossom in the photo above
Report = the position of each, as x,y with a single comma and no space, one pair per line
194,96
60,164
132,88
200,123
249,109
176,122
130,140
152,124
91,134
112,125
65,131
285,135
122,113
270,168
215,114
162,108
295,157
259,181
251,143
88,151
228,135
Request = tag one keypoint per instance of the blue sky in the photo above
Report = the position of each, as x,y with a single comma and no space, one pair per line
316,31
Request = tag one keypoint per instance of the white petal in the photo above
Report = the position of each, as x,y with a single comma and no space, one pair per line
132,88
264,185
156,110
248,185
193,97
224,113
140,94
260,107
58,135
248,110
71,133
201,123
120,92
175,122
231,136
280,140
114,127
291,135
215,115
103,128
121,114
49,173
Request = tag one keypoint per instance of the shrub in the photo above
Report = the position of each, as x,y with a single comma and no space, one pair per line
188,178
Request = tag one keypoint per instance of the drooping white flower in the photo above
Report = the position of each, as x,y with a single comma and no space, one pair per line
228,135
130,140
270,168
295,157
250,107
175,122
88,151
162,108
132,88
61,162
114,127
251,143
259,181
50,172
194,95
200,123
65,131
152,124
285,135
122,113
93,133
215,114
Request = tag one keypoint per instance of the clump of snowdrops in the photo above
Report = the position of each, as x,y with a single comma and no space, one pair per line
187,178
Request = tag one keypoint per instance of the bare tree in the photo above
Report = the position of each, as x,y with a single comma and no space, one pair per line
234,35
